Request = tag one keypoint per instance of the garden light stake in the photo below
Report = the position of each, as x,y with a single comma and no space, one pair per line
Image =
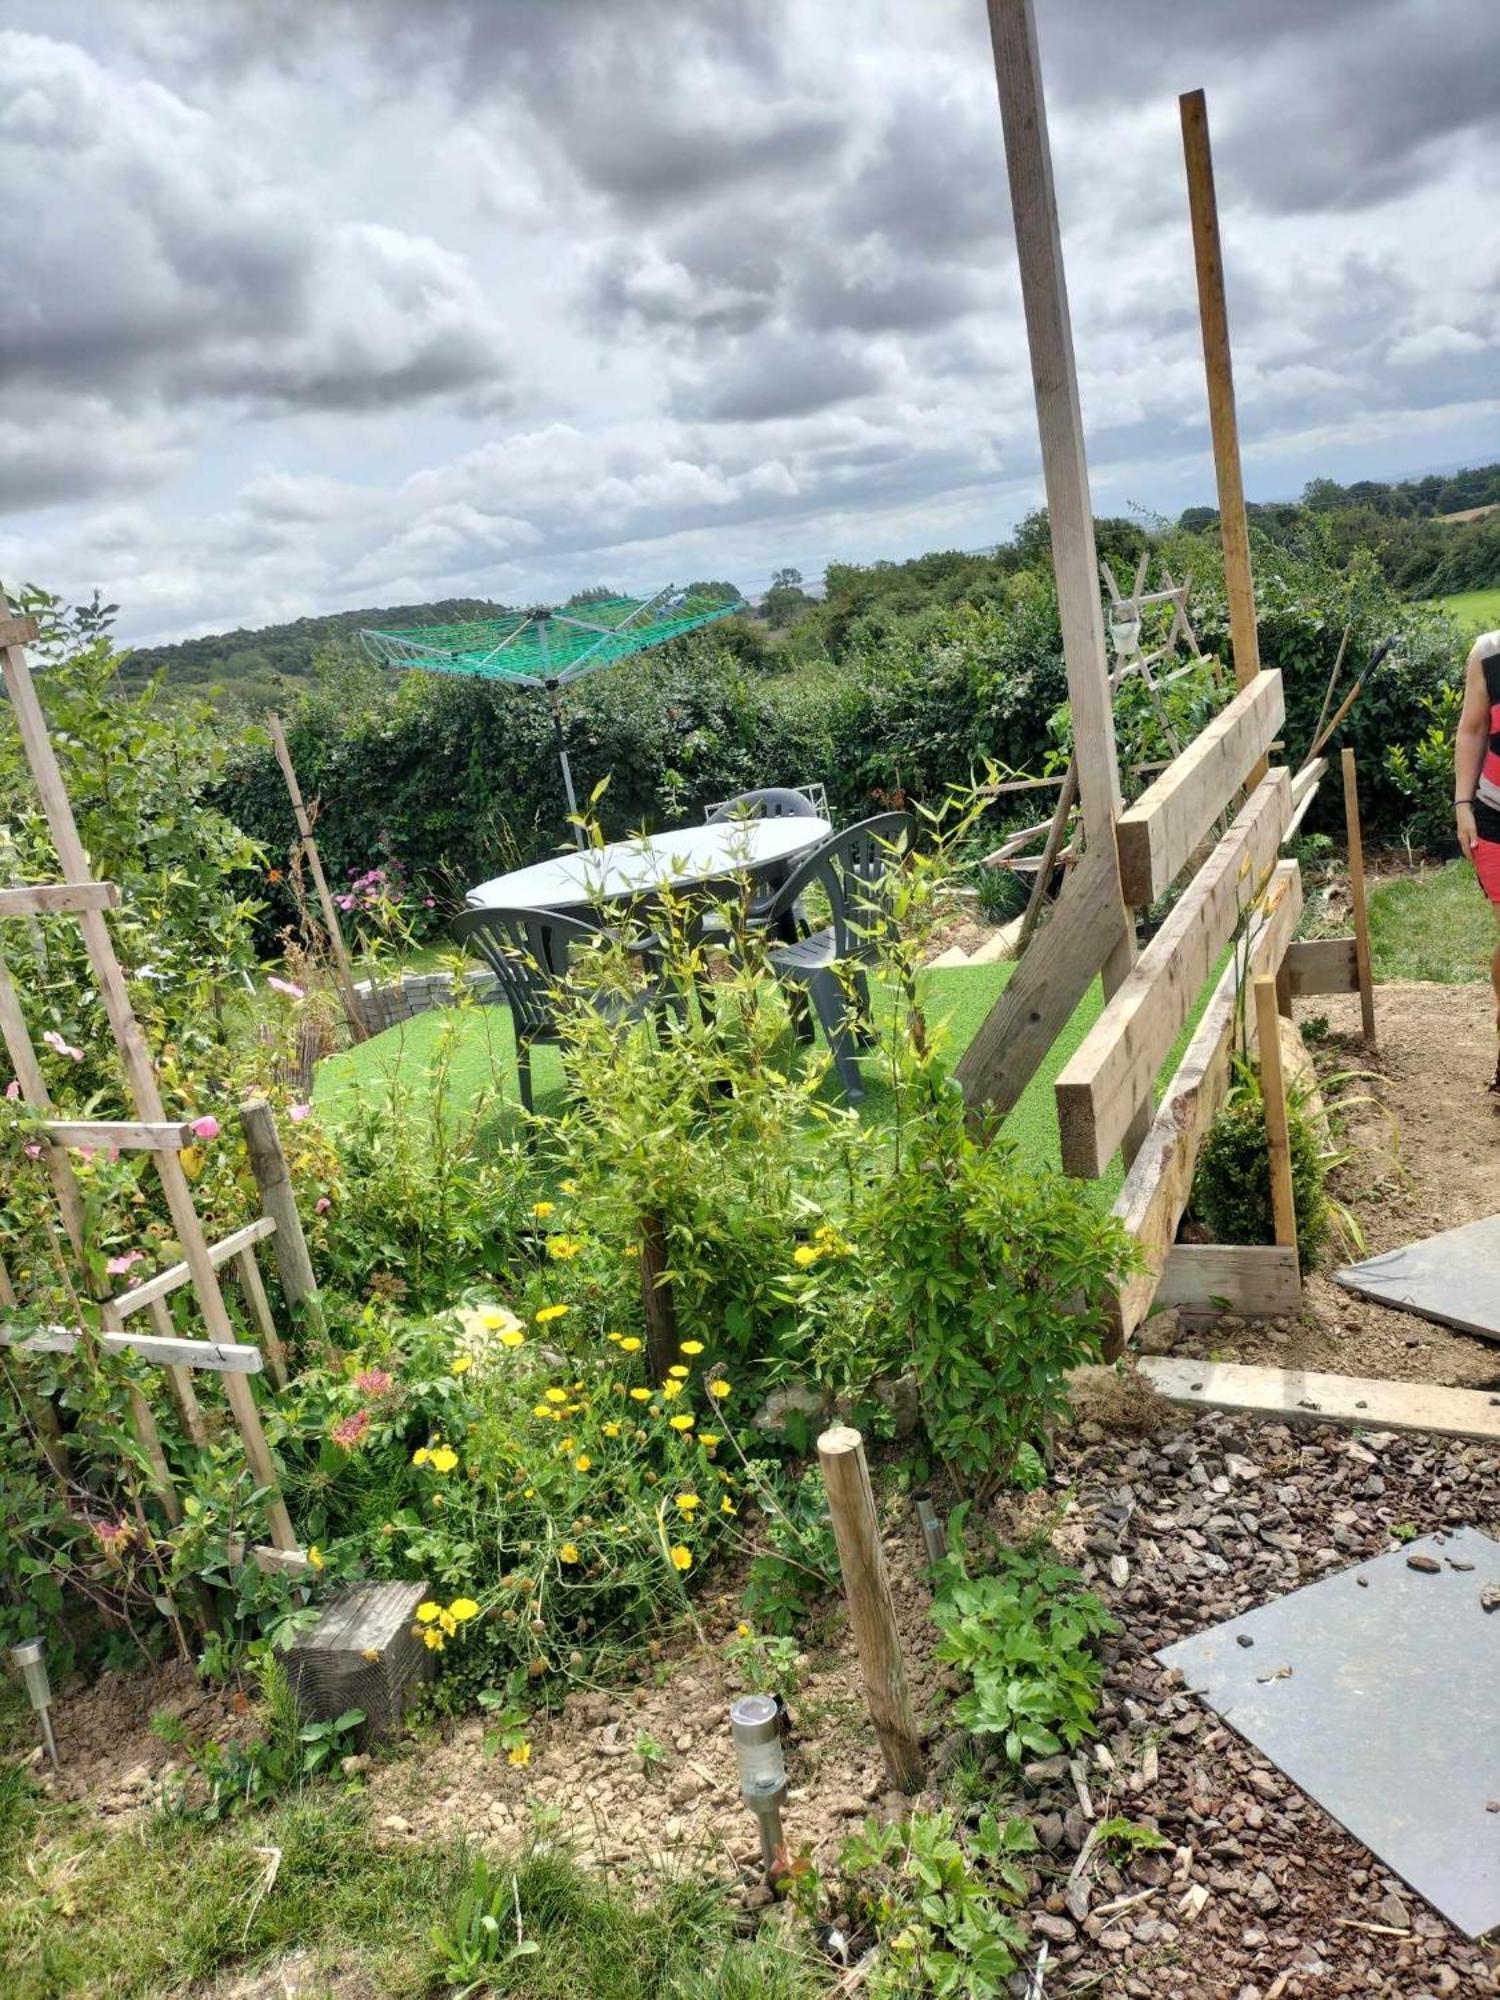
755,1725
30,1658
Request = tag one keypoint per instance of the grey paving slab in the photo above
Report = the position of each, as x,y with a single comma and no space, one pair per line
1390,1716
1453,1278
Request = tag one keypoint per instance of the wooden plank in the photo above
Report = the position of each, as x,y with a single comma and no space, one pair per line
1054,374
1273,1103
181,1380
130,1135
1156,1189
269,1561
45,899
1304,791
49,1340
221,1357
1296,1395
17,630
1118,1060
294,1266
1213,314
1322,965
1255,1280
1357,897
166,1282
1162,831
262,1318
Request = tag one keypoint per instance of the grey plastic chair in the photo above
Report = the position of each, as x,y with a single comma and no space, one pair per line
771,802
853,869
530,953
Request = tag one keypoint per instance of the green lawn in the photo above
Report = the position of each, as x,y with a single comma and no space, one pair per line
1476,610
1432,926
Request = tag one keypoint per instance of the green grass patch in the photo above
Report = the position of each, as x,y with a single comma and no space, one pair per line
1476,610
1432,926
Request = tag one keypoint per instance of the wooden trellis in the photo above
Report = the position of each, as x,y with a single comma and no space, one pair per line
89,901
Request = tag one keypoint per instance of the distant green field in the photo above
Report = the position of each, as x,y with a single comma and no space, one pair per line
1476,610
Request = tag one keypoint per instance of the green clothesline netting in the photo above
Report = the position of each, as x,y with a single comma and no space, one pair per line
537,648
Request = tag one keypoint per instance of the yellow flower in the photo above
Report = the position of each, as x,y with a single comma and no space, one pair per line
550,1313
632,1250
541,1410
567,1444
583,1462
680,1372
513,1337
742,1630
463,1609
462,1365
630,1345
691,1347
562,1248
568,1187
432,1638
671,1389
718,1387
568,1553
682,1423
444,1458
315,1556
614,1337
727,1506
557,1395
709,1438
448,1622
610,1430
805,1254
682,1558
543,1209
421,1455
687,1502
496,1317
640,1395
520,1754
428,1612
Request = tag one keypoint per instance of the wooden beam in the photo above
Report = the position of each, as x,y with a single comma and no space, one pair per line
1304,790
181,1380
1322,965
1161,832
16,630
262,1318
294,1266
1295,1395
1213,314
1049,335
1255,1280
47,1340
220,1357
1117,1062
130,1135
1357,896
1273,1102
166,1282
269,1561
45,899
1156,1189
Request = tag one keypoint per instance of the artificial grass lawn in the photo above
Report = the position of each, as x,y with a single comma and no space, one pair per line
1476,610
1432,926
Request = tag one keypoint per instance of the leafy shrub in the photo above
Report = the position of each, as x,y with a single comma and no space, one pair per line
238,1777
1232,1186
1026,1636
797,1564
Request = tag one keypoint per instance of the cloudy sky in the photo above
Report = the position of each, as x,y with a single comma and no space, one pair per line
322,303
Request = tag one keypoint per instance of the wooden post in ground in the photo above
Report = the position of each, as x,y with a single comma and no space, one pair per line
294,1266
867,1591
1273,1097
1213,314
1357,896
657,1301
343,970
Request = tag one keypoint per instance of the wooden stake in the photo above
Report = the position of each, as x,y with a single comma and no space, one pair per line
867,1591
343,970
656,1299
1038,897
294,1266
186,1395
1357,896
1049,334
1213,314
1273,1096
261,1316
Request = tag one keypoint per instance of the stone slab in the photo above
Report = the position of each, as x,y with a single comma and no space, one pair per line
1452,1278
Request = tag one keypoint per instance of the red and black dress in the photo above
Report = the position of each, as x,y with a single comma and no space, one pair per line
1487,791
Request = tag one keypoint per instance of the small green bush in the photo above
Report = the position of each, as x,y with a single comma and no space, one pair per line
1232,1188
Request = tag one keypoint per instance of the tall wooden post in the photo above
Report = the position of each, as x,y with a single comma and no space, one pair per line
867,1591
294,1265
1059,967
343,970
1213,314
657,1301
1357,896
1273,1097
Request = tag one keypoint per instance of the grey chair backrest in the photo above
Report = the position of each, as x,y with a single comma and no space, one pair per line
854,868
529,952
771,802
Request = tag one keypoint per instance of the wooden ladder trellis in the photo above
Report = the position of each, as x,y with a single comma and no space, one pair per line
89,901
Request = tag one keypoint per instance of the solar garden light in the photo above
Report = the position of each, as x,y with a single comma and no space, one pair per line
1124,632
932,1530
30,1658
755,1725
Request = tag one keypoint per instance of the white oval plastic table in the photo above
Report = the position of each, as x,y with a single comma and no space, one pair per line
569,883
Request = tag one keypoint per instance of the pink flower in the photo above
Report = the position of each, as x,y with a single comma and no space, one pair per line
350,1431
429,902
55,1041
287,986
110,1534
118,1266
13,1090
298,1112
206,1128
32,1152
374,1382
322,1205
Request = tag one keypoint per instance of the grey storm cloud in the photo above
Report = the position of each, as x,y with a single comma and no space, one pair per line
317,305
